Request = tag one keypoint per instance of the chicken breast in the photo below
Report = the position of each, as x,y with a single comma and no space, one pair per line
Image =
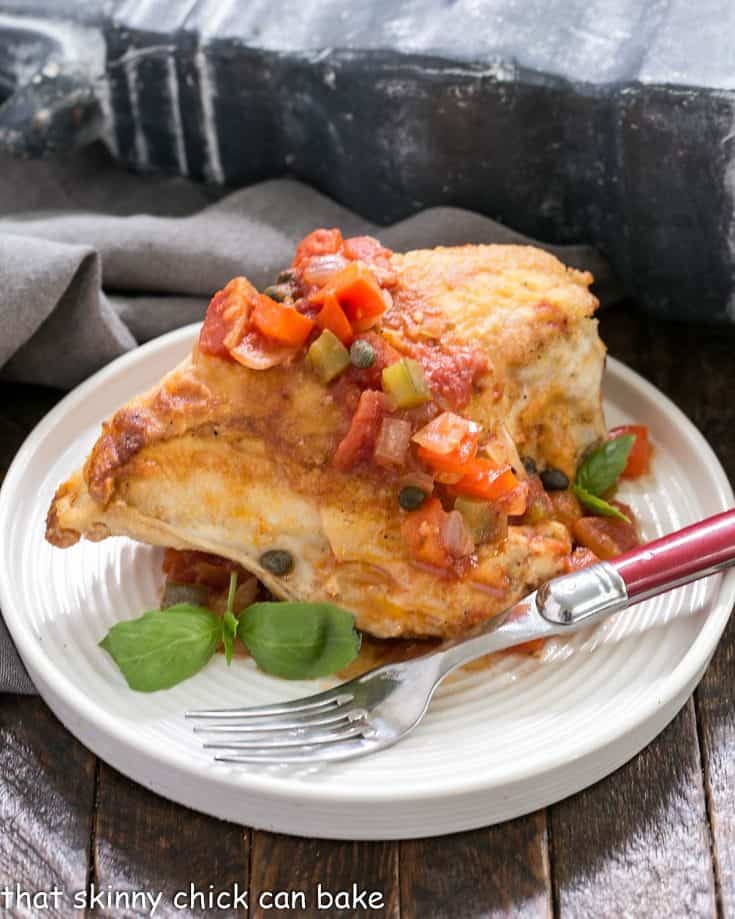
236,461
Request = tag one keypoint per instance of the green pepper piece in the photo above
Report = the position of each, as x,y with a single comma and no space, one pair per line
328,356
479,517
404,383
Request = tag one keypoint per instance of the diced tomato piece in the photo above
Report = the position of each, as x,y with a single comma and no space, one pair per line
579,558
454,463
368,249
318,242
332,317
358,293
227,318
282,323
449,435
483,479
215,328
639,458
606,536
448,445
359,442
565,507
422,533
365,249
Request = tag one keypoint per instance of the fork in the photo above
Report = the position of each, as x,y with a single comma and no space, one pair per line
381,707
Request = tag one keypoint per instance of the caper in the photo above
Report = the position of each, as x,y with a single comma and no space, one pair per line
554,479
277,561
362,354
279,292
286,276
411,497
529,464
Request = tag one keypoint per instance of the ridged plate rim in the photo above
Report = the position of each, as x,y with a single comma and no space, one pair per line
99,729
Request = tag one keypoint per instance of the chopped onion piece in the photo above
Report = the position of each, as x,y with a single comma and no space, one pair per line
256,353
393,440
455,536
320,268
501,449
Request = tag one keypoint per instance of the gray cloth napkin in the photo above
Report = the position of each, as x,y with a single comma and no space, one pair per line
95,260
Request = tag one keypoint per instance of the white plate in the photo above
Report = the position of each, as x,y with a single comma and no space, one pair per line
496,743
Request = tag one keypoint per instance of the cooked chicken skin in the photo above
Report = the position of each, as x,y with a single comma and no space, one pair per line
235,461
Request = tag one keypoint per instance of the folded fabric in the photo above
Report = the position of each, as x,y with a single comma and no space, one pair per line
95,260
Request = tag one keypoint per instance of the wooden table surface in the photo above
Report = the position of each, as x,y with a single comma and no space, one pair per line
656,838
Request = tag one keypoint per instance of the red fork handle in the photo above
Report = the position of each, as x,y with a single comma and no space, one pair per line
678,558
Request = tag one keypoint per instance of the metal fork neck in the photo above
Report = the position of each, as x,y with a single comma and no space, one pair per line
582,597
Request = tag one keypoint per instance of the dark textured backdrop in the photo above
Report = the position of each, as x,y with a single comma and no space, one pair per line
601,121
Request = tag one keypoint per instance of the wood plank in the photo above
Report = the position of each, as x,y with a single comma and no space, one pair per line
637,843
46,806
46,776
495,872
144,843
703,386
286,863
716,717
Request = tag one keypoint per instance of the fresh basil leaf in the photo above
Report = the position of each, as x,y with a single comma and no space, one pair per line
600,471
164,647
229,633
598,505
299,641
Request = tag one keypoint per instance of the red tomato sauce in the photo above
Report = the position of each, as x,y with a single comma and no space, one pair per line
450,371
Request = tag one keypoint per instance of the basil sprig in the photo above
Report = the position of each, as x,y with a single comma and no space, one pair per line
230,622
600,471
298,641
599,505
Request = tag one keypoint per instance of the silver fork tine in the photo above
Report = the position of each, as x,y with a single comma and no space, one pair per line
341,716
320,701
395,697
278,743
340,750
